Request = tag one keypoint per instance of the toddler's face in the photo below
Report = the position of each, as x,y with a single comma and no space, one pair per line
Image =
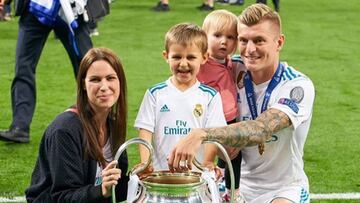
185,62
221,42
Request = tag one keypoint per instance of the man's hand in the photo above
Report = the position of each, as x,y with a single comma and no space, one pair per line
110,176
185,150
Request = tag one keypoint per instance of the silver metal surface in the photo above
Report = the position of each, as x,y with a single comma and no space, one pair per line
140,169
228,161
165,186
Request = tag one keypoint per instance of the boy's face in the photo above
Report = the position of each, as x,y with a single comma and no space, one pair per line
185,62
221,43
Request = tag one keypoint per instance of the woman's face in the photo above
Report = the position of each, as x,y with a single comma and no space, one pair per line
102,86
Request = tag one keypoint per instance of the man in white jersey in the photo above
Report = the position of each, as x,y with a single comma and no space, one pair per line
170,110
275,104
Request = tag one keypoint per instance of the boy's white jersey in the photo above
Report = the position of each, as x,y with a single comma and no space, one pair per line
281,165
170,114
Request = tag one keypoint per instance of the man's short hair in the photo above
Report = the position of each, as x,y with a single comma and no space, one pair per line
186,34
256,13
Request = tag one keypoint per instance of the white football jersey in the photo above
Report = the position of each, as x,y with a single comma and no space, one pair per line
170,114
281,165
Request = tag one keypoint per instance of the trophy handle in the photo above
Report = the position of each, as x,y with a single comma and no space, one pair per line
141,168
228,161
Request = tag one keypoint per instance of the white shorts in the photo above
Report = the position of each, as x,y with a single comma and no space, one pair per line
296,194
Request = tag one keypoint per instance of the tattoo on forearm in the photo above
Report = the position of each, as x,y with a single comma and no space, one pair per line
250,132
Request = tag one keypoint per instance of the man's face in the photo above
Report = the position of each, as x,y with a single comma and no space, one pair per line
260,45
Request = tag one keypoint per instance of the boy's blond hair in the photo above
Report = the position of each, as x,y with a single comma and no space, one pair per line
220,20
256,13
186,34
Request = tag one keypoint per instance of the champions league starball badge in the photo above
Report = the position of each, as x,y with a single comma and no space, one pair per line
198,110
297,94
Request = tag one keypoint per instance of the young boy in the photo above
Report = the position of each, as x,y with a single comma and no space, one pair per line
219,73
171,109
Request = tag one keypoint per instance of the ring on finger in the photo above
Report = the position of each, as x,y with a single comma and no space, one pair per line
182,163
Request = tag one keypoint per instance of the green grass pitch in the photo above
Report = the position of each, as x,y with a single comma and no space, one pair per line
322,41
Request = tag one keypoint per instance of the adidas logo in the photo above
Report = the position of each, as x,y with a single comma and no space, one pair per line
164,109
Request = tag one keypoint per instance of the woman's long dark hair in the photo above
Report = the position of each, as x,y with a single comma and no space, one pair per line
118,115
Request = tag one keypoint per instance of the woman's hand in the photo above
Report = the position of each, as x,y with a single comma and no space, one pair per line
110,176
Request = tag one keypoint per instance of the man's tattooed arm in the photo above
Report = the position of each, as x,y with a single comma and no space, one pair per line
250,132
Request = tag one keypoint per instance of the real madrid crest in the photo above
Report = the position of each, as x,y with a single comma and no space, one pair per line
198,110
297,94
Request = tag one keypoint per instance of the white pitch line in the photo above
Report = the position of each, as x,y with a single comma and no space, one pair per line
351,195
12,199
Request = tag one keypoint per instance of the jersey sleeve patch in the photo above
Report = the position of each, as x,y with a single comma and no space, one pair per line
290,103
297,94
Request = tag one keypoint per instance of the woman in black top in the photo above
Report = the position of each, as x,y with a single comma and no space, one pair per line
75,162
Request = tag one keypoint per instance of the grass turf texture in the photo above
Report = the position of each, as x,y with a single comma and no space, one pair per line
321,41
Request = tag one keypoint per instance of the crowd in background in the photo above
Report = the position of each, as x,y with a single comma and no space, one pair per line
208,5
161,6
5,12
